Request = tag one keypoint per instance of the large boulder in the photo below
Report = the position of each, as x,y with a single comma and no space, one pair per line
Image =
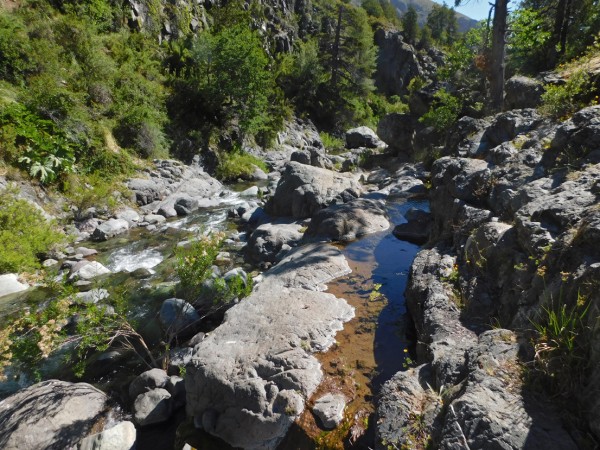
397,131
303,190
110,228
522,92
9,284
52,415
362,137
265,243
256,371
349,221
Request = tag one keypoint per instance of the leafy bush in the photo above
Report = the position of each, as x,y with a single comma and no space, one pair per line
559,101
24,234
36,143
332,143
238,164
444,112
193,267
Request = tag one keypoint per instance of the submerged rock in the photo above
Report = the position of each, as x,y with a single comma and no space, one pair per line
330,410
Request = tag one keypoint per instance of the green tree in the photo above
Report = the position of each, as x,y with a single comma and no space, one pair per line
348,57
373,8
410,25
233,72
442,22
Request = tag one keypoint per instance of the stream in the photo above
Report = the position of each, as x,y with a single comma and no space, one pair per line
371,348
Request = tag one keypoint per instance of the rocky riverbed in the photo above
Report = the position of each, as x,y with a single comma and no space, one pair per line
511,230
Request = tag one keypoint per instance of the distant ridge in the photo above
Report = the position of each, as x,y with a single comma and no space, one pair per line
424,6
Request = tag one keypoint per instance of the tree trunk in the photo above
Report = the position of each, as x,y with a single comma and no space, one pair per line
335,56
497,63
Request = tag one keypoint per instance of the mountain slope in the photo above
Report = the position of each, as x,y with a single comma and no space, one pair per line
423,8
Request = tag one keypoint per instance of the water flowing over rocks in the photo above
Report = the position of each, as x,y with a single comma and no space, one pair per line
51,415
255,372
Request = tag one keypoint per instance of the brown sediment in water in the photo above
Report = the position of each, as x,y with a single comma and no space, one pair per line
349,368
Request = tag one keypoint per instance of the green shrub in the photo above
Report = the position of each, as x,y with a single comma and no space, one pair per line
24,234
35,143
331,143
560,101
444,112
238,164
193,266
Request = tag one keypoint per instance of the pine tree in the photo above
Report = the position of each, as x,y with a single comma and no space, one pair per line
410,25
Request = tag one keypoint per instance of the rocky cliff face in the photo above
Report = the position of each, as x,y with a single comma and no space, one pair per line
515,243
281,20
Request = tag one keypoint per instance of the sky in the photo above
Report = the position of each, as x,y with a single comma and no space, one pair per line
475,9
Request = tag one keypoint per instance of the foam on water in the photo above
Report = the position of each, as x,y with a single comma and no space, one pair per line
128,259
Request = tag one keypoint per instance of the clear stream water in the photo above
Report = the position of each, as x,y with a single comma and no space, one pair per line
369,350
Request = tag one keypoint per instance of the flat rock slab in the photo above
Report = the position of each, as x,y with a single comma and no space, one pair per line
9,284
53,415
249,380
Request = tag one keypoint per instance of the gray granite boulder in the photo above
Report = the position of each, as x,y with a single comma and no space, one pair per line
110,228
256,371
362,137
52,415
9,284
349,221
522,92
152,407
266,242
120,437
303,190
148,380
86,270
330,410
